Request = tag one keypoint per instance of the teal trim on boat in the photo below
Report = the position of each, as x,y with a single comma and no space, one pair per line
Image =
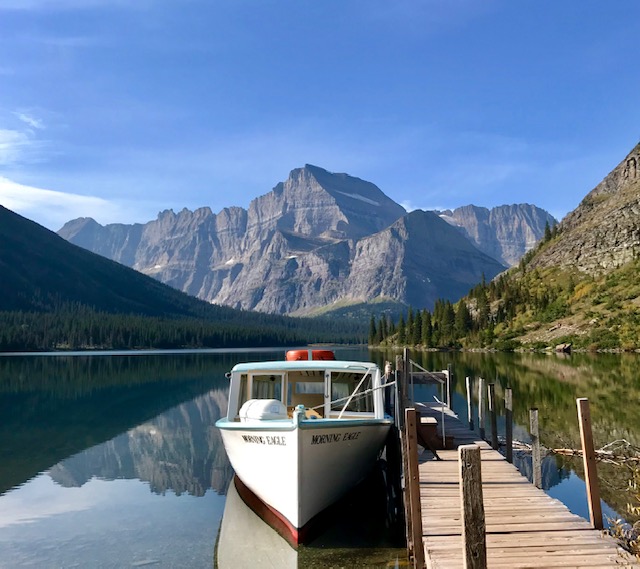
288,424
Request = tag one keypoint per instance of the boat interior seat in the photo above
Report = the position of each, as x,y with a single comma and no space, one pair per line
308,400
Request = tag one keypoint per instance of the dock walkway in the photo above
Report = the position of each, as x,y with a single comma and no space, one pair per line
525,528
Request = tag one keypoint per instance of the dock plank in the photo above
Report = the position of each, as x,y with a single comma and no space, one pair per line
526,528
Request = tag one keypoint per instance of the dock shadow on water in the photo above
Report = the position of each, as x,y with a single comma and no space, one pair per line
114,461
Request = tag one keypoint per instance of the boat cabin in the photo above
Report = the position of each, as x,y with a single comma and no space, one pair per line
326,388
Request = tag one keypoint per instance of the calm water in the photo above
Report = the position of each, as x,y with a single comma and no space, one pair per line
113,460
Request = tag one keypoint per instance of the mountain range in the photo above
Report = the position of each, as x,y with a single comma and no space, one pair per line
319,241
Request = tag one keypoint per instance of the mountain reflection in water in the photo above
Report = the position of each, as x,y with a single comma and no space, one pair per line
111,461
114,461
53,408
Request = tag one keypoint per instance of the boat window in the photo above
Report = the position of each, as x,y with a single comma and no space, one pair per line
267,387
342,386
244,395
309,387
305,387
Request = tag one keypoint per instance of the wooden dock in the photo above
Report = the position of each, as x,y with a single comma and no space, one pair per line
525,528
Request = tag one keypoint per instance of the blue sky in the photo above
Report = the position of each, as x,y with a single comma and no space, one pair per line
118,109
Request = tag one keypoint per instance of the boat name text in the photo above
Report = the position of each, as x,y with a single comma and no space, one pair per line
334,438
265,440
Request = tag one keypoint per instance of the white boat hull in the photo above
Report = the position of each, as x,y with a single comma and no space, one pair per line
298,470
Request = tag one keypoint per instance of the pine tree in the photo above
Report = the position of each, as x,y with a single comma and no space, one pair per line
383,331
427,330
379,334
402,333
463,320
372,330
417,329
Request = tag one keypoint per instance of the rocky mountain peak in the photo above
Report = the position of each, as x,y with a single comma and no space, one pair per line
318,203
504,232
603,232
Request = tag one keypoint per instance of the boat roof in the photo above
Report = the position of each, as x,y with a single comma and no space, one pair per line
304,365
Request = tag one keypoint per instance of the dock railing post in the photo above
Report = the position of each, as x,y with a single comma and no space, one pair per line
474,542
481,397
589,458
535,447
508,413
492,415
406,369
469,403
449,378
412,482
400,404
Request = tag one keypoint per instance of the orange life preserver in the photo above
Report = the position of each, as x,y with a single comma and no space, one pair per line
298,355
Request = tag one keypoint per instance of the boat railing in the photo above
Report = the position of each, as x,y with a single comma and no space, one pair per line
350,398
353,397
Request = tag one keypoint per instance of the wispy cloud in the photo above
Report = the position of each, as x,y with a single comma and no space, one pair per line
20,138
30,120
52,208
12,146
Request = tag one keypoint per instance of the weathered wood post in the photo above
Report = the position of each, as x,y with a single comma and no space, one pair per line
400,391
406,369
589,458
535,447
469,403
508,413
492,415
481,397
412,482
449,379
474,554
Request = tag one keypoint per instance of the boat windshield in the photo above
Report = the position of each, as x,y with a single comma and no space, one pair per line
266,387
342,386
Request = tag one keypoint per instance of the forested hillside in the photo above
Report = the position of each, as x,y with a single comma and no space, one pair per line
55,295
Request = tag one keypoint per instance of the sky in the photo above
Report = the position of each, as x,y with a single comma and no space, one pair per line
119,109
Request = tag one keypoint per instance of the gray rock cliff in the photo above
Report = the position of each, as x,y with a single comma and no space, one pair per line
603,232
505,232
316,239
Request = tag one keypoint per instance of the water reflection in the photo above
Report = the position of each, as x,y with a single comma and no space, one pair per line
179,451
111,461
351,534
55,407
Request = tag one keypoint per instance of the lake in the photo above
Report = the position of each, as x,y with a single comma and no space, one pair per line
113,460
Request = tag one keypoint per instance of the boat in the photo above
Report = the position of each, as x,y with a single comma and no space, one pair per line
300,433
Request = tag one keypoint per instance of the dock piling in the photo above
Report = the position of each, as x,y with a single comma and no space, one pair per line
481,397
412,485
491,396
469,403
508,414
474,541
535,447
589,457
